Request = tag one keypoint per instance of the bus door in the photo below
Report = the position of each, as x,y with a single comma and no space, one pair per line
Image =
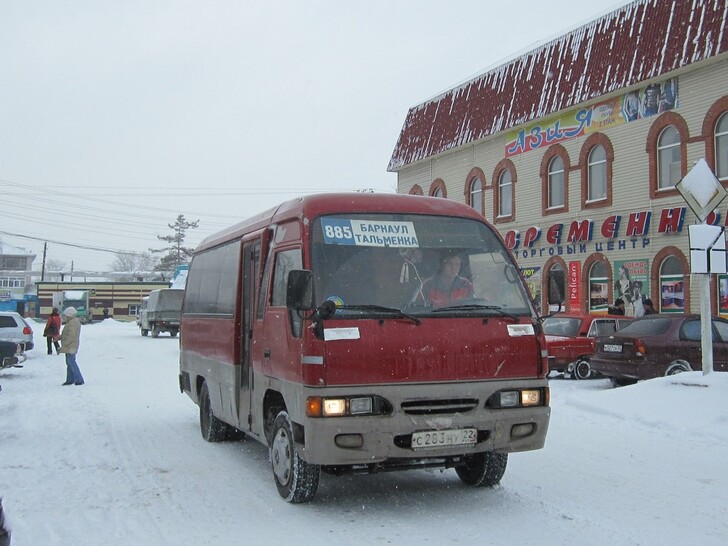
251,263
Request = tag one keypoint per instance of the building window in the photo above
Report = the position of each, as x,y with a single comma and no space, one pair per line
133,309
505,194
416,190
437,188
12,282
598,288
721,148
475,197
669,164
556,183
672,286
556,287
597,174
13,263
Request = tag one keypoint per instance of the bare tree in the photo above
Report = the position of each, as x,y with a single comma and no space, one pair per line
133,263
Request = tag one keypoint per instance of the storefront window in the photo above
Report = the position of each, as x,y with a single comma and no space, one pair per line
598,288
556,287
672,286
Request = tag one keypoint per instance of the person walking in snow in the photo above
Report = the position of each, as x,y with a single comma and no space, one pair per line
70,340
51,331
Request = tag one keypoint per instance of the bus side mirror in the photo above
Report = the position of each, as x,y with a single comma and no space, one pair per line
299,292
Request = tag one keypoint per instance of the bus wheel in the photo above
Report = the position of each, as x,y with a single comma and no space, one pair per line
296,480
483,469
213,430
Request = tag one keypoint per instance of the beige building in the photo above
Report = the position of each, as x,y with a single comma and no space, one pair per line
573,151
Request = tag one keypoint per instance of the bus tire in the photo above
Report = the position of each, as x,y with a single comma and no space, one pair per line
483,469
212,429
296,480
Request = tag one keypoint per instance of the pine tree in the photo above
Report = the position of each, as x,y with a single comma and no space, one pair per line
176,253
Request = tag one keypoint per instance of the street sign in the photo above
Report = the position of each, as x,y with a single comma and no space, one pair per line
701,190
707,249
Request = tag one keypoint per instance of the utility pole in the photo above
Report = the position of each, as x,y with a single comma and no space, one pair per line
42,270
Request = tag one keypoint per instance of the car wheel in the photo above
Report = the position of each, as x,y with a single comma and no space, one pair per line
145,332
582,369
296,480
155,331
483,469
212,429
678,367
173,333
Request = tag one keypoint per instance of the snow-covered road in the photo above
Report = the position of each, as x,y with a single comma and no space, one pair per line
120,460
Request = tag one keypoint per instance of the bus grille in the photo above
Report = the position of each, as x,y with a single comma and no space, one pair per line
432,407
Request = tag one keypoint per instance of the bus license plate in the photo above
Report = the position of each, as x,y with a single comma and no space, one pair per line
444,438
612,348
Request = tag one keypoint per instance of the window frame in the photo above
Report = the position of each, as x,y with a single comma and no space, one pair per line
503,166
594,140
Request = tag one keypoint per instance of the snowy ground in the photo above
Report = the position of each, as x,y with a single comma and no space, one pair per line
120,460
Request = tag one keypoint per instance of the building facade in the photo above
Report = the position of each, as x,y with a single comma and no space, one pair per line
16,283
573,151
121,299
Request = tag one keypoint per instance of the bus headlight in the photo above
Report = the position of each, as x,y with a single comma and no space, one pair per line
319,406
518,398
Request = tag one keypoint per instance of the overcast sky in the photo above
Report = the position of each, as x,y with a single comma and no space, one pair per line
116,116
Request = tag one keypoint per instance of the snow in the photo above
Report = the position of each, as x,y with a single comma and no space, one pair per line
120,460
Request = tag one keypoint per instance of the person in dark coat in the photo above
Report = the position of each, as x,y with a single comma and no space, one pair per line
649,309
617,308
52,329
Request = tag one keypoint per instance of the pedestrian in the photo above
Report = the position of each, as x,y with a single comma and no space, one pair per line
649,309
51,331
70,339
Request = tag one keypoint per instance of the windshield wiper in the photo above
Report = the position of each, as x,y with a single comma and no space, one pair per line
476,307
380,308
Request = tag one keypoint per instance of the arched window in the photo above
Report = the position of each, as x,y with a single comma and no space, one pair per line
556,287
437,189
556,183
672,286
505,193
597,173
669,163
721,148
475,198
598,288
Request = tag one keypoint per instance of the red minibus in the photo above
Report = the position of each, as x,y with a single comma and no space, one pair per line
365,332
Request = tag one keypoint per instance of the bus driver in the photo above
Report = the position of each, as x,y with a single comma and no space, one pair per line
447,286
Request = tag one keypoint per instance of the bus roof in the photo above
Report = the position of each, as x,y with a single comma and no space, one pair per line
313,206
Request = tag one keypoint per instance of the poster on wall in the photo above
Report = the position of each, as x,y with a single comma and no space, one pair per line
723,295
598,295
672,294
532,276
632,284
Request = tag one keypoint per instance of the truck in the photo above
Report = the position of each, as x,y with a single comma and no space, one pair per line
77,299
160,312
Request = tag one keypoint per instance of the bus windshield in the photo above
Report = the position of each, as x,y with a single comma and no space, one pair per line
370,263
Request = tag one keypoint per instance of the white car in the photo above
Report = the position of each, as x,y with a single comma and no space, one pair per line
15,328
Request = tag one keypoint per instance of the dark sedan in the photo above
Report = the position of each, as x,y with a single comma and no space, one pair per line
656,346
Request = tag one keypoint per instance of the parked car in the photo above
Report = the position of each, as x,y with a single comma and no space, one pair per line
570,340
15,328
656,346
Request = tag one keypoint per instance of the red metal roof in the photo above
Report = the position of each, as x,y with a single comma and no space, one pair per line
639,41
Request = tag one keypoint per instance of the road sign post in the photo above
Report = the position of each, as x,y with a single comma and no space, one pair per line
703,192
